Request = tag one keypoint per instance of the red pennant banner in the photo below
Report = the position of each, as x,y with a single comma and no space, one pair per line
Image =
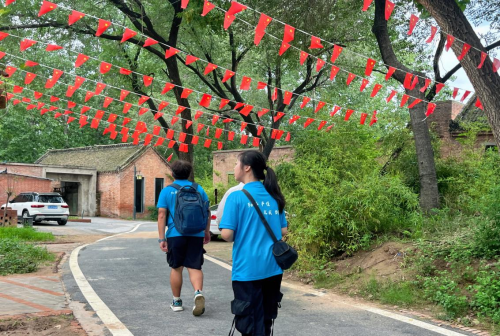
83,120
123,94
275,94
227,120
449,41
149,42
319,64
439,87
413,22
3,35
125,72
195,139
415,103
26,43
366,4
70,119
496,64
218,133
350,78
200,127
375,90
80,59
278,116
260,29
126,108
430,109
159,142
321,125
170,134
228,20
8,2
37,95
207,7
99,87
179,110
158,115
126,121
245,83
244,139
95,123
182,137
315,43
127,34
174,120
284,47
303,57
170,157
261,113
186,92
465,50
407,82
171,52
168,87
389,7
256,142
215,118
75,16
205,100
390,72
483,58
288,34
191,59
336,53
466,94
112,117
426,85
305,100
363,118
414,83
335,70
246,110
29,77
107,101
455,92
370,63
235,8
207,143
53,99
478,104
287,137
70,91
46,7
84,109
287,97
320,106
348,114
293,119
102,27
227,76
261,85
223,102
27,63
308,122
404,100
393,93
335,110
364,83
209,68
147,80
78,82
433,33
243,125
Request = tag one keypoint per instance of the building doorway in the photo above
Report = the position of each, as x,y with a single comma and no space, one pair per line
139,195
69,192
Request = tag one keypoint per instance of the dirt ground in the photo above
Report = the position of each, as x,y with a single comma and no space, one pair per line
59,325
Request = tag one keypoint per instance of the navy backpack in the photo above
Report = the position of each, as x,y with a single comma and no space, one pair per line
191,212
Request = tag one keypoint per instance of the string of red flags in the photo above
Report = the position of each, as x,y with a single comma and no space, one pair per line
228,73
245,108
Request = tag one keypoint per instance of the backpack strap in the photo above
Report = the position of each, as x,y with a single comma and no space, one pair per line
175,186
262,218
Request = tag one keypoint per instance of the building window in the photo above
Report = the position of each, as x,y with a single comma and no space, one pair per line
158,187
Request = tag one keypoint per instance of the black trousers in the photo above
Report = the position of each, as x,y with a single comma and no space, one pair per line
255,305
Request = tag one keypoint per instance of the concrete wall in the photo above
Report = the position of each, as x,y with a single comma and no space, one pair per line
224,161
19,184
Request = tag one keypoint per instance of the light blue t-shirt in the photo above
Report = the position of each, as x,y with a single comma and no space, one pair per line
252,249
167,200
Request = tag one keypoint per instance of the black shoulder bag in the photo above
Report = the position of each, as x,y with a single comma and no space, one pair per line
285,254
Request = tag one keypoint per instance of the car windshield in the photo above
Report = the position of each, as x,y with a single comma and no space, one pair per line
50,199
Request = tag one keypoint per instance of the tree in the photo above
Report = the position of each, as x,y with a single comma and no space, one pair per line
486,83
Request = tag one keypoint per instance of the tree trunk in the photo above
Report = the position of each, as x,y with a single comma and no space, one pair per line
429,193
486,83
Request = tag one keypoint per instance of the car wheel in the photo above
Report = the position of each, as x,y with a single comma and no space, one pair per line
62,221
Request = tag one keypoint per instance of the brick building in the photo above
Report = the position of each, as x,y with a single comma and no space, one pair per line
224,161
18,183
99,180
446,122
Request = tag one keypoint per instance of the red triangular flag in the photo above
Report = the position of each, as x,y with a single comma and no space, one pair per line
80,59
455,92
261,85
350,77
70,91
124,71
293,119
319,107
390,72
123,94
184,4
264,21
171,52
245,83
496,64
430,109
3,35
426,85
236,8
336,53
215,118
246,110
404,100
449,41
366,4
209,68
239,105
182,137
389,7
244,139
127,34
305,100
288,34
348,114
195,139
218,133
364,83
26,43
186,92
17,89
483,58
319,64
191,59
308,122
284,47
303,57
170,157
29,77
407,82
174,120
107,101
179,110
125,121
278,116
315,43
287,137
46,7
89,95
466,94
275,94
75,16
414,103
439,86
83,120
262,112
147,80
227,75
105,67
149,42
287,97
168,87
37,95
99,87
162,105
414,83
335,70
478,104
142,100
159,142
157,115
363,118
78,82
53,99
8,2
205,100
389,98
370,63
465,50
207,7
223,102
207,143
84,109
375,90
27,63
126,107
433,33
102,26
228,20
413,22
70,119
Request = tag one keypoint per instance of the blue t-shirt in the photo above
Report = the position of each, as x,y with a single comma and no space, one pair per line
252,249
167,199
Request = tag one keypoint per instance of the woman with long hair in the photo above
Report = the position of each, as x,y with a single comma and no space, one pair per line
256,276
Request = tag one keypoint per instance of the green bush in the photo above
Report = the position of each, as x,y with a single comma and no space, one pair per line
446,292
486,299
18,257
153,213
25,233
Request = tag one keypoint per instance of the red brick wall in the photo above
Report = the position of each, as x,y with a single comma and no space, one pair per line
21,184
150,166
22,169
439,121
108,185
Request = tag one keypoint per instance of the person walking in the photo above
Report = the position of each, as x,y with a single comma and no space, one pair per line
186,233
222,204
256,276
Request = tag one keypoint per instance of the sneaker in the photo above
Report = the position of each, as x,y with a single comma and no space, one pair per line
176,305
199,303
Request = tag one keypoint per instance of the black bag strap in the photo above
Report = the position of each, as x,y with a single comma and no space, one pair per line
263,219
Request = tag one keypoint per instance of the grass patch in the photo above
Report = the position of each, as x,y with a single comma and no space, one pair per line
393,293
18,257
25,234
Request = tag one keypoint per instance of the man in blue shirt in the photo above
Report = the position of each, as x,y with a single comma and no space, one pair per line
182,250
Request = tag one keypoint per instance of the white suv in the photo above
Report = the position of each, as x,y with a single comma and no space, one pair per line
40,206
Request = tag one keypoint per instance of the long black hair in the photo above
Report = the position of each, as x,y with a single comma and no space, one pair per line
257,161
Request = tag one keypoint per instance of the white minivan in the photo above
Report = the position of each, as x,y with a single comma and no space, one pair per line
40,206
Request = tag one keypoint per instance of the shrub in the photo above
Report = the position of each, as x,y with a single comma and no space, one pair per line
21,257
486,299
153,213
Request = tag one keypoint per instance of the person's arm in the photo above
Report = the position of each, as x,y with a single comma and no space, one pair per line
220,208
284,231
162,215
227,235
206,240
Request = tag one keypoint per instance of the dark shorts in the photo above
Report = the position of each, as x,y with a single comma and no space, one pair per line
185,251
255,305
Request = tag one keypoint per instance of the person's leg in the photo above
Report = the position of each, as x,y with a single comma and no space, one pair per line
271,299
193,262
196,277
176,281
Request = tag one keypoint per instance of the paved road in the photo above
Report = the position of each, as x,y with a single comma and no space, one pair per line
98,225
129,273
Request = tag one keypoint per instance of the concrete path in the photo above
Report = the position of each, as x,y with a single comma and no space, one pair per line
125,279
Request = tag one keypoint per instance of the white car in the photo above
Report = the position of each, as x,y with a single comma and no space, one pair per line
214,230
40,206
